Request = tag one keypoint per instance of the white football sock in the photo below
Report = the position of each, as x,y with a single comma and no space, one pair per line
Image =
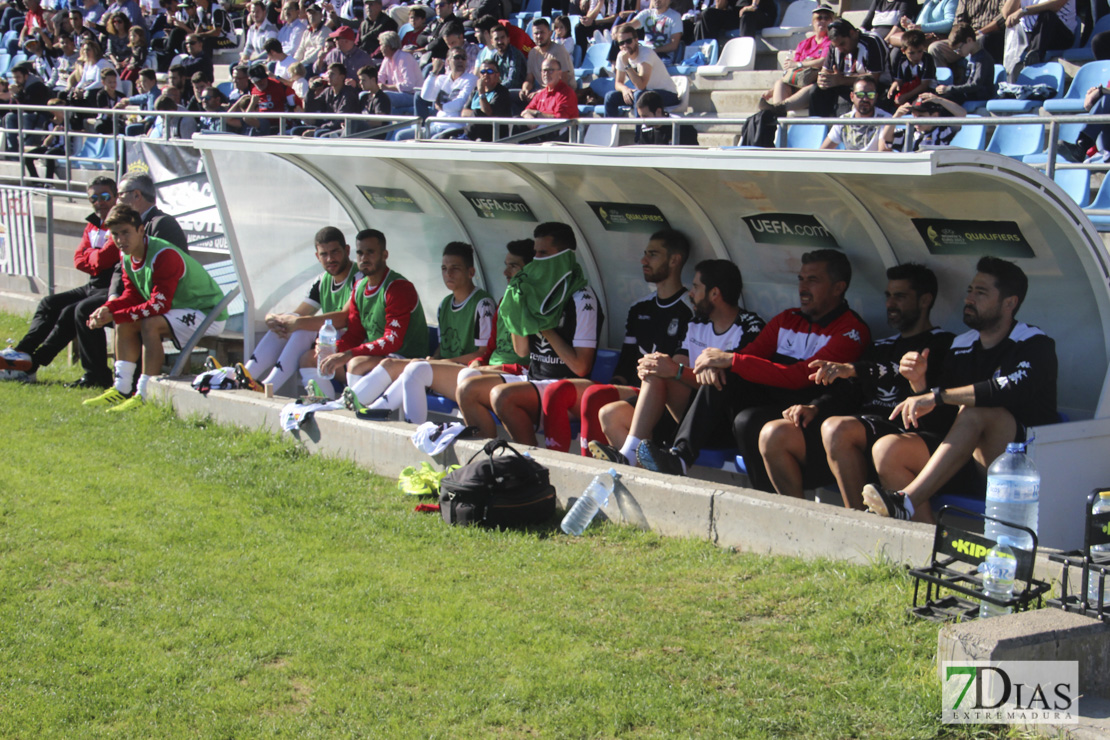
144,381
370,386
125,376
265,354
298,343
628,449
415,381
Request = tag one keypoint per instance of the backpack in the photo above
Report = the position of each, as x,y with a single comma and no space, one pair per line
760,129
504,491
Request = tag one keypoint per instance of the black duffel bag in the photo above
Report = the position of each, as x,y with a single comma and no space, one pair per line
503,491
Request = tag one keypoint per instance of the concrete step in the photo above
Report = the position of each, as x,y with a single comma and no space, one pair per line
718,139
747,80
726,102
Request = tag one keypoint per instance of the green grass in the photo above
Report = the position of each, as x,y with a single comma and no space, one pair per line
172,578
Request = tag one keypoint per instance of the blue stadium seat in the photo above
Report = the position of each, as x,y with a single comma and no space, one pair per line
1101,202
534,6
971,137
1017,140
1076,183
1049,73
404,29
5,62
225,88
944,75
708,49
605,364
973,105
805,137
1089,75
596,60
1084,54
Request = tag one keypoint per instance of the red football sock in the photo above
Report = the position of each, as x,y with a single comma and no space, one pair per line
557,400
593,399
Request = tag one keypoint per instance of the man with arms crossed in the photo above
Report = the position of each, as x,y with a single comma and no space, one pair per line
740,392
1000,377
800,446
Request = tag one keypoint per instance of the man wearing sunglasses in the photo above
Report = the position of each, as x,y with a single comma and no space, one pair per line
638,69
53,326
860,137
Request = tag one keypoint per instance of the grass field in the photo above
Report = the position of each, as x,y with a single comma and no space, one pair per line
171,578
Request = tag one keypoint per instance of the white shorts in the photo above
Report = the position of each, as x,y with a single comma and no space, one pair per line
184,322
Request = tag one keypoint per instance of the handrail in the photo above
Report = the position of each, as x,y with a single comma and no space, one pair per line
537,128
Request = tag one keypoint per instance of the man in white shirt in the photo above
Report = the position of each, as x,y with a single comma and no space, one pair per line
862,137
662,28
259,31
638,69
291,33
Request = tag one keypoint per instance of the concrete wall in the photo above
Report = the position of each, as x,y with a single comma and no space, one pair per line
729,516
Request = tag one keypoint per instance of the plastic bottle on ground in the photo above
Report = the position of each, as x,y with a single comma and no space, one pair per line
1102,505
325,346
586,507
998,572
1013,493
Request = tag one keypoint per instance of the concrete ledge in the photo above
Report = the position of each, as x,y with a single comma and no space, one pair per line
727,515
1045,634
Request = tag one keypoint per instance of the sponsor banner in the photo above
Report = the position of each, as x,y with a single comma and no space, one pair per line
1010,692
191,195
390,199
501,206
975,238
17,234
793,229
638,217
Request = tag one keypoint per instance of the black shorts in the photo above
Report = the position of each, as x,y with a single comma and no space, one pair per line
877,427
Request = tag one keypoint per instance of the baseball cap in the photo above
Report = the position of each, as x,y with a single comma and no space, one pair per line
343,32
257,72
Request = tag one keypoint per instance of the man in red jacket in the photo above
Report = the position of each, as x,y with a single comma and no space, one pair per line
740,392
53,325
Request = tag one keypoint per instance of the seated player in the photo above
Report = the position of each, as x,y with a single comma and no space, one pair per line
54,324
290,335
870,388
740,392
466,317
560,336
999,377
166,294
668,382
655,324
384,318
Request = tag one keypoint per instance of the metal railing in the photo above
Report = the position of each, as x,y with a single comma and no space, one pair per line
504,130
50,195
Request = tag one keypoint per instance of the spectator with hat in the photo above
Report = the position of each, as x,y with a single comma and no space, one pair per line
314,38
345,52
373,25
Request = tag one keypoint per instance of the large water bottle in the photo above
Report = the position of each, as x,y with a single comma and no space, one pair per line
325,346
1102,505
585,508
998,572
1013,492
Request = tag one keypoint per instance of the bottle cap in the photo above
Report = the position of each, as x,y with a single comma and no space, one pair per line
616,476
1104,494
1015,447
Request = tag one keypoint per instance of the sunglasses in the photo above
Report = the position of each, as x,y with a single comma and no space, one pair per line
101,198
487,71
626,42
868,95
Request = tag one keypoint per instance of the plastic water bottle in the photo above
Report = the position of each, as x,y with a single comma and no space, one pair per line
585,508
998,577
1013,492
1102,505
325,346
